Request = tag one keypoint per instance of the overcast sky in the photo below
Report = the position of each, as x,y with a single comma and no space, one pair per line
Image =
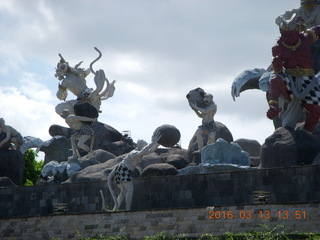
156,50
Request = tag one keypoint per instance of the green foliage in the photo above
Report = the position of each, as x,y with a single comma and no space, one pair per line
32,168
268,234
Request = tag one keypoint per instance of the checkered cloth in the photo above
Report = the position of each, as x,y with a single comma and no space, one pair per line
304,88
209,127
122,174
85,130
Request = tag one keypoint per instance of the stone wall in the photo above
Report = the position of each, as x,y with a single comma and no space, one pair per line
285,185
292,218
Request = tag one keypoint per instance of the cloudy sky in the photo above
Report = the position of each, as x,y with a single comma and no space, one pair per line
156,50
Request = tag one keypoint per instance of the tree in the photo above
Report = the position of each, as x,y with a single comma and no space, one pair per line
32,168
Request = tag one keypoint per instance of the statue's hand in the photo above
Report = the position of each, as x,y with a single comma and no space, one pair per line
156,136
273,111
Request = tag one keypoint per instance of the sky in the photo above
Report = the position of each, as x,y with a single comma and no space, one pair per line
156,50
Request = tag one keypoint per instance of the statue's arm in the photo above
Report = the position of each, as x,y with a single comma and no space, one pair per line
85,119
151,147
276,60
8,135
196,109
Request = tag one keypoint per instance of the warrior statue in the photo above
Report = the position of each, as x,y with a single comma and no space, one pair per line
294,76
81,113
73,79
305,17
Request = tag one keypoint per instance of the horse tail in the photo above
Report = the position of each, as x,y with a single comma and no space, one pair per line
91,64
110,180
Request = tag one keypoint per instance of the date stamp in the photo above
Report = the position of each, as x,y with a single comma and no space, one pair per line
262,214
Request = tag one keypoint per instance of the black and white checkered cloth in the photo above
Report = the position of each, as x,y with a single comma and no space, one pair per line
301,86
122,174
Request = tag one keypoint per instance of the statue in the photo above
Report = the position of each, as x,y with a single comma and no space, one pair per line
121,174
73,80
81,113
307,16
294,76
84,132
308,13
208,127
11,136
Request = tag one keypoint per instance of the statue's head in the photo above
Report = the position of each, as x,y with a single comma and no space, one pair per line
289,28
2,123
208,98
141,144
309,5
61,70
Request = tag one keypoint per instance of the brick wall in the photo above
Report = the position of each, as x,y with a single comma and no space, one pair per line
286,185
191,221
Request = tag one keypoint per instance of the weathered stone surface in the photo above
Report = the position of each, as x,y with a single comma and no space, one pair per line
12,165
159,169
56,130
105,137
6,145
98,172
6,182
149,159
251,146
177,160
85,109
119,147
222,132
57,149
196,96
221,152
170,135
285,148
102,156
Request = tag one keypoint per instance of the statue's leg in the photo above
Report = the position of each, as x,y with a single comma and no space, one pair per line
278,88
122,194
199,139
313,117
129,195
82,142
212,137
74,146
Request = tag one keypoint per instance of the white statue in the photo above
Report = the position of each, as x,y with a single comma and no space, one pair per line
12,135
308,13
84,132
73,80
208,126
121,174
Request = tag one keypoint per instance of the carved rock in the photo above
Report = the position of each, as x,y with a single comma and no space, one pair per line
196,96
105,137
6,182
252,147
12,165
159,169
170,135
57,149
285,148
98,172
221,152
222,132
6,145
177,160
